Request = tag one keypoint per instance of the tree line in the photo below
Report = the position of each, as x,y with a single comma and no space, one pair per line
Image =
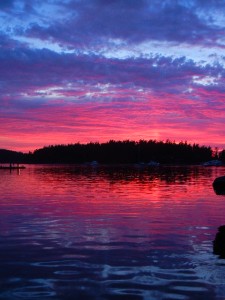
115,152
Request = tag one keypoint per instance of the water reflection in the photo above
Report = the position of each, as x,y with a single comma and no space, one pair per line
110,233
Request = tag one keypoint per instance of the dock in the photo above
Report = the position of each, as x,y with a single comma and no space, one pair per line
12,167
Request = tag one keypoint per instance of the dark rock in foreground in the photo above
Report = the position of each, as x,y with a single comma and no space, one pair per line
219,242
219,185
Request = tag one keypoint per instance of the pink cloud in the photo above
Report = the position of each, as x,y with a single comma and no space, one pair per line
64,122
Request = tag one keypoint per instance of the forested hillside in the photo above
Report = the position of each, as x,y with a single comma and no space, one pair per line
114,152
123,152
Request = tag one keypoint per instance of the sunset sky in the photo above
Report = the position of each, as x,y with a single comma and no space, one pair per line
94,70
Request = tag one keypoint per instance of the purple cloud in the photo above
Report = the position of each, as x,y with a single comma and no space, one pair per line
94,22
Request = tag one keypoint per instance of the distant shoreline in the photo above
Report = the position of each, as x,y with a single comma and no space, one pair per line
152,153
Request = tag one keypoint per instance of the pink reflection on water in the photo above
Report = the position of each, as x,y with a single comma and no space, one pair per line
136,200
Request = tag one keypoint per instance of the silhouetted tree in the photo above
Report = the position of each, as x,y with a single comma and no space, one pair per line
222,156
8,156
119,152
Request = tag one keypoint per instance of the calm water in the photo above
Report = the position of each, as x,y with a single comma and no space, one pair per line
110,233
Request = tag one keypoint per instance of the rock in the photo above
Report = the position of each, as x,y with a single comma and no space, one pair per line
219,185
219,242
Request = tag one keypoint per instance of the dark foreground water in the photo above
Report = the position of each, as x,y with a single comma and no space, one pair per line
110,233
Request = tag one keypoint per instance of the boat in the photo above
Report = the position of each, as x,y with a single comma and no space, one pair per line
153,163
213,163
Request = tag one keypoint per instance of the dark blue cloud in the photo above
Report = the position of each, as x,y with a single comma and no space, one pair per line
92,22
6,4
89,23
7,43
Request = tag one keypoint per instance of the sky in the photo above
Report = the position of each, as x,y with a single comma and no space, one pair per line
98,70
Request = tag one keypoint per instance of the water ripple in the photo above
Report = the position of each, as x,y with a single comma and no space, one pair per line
73,233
